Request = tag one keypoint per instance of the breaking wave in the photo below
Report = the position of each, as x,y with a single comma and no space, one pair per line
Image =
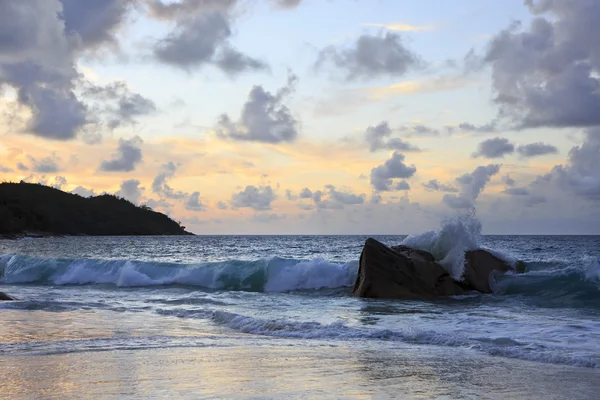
266,275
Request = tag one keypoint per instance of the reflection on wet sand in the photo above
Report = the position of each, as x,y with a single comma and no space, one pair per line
278,371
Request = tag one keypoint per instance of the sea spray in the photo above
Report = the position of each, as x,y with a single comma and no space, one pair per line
457,234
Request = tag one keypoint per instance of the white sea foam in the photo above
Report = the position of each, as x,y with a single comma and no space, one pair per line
448,244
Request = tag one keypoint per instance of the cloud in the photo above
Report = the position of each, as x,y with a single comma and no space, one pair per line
517,191
486,128
287,3
160,185
83,192
378,138
494,148
22,167
96,22
46,165
305,193
257,198
201,38
266,218
193,202
471,186
130,190
402,185
582,174
4,169
37,59
546,74
119,106
418,130
221,205
403,27
264,118
128,155
508,181
435,185
371,56
536,149
59,182
182,8
381,176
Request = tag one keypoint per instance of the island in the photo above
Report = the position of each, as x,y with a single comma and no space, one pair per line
31,209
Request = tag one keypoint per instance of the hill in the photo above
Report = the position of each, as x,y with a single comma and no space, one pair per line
33,208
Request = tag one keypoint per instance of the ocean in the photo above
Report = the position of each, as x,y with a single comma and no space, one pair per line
272,317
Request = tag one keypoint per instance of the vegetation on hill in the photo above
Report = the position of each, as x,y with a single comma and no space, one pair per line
30,207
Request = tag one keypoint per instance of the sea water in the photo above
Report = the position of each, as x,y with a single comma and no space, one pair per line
272,316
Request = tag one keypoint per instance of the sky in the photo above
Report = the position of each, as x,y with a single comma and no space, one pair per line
310,116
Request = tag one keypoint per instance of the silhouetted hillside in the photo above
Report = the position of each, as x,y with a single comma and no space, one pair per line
27,207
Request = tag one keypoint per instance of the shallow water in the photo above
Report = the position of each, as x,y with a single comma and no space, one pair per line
260,316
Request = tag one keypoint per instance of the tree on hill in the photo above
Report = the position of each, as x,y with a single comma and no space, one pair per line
30,207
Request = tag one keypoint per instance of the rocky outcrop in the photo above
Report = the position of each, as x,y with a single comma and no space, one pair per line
5,297
401,273
479,266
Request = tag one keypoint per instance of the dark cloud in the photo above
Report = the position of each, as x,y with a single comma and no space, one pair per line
201,37
5,169
306,193
94,22
290,195
40,42
257,198
264,118
160,185
582,173
381,176
371,56
546,74
130,190
22,167
536,149
434,184
128,155
471,186
402,185
117,105
494,148
37,59
221,205
193,202
378,138
232,62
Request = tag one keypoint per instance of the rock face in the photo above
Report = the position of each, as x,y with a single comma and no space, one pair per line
479,265
401,273
5,297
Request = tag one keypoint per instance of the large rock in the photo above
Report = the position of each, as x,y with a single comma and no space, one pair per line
480,265
5,297
403,273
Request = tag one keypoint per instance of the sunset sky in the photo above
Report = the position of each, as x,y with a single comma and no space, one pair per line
310,116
